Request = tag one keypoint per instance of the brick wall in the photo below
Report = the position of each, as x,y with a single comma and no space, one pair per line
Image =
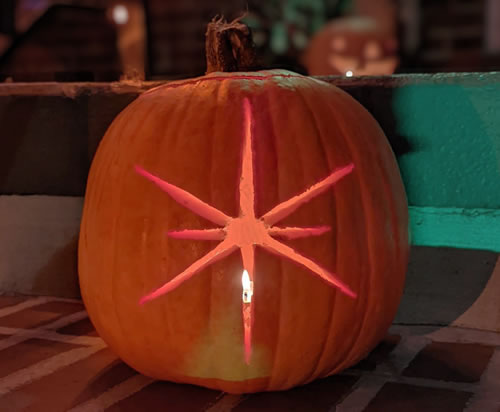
66,43
452,34
177,34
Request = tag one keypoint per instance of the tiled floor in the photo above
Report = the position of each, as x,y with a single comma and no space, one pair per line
52,360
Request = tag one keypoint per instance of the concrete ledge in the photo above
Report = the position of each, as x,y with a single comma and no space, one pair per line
457,227
49,135
38,245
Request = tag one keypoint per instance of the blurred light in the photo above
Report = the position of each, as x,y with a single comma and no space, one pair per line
349,73
120,14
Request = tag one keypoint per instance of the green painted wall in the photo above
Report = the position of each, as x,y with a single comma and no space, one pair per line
452,171
455,133
456,227
452,174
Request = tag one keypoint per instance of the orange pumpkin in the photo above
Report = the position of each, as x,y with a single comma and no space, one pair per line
209,159
352,46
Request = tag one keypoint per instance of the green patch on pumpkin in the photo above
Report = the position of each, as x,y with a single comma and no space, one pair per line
220,353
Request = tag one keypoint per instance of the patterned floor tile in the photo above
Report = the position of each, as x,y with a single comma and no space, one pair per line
395,397
69,386
80,328
456,362
166,396
39,315
317,396
379,354
28,353
10,300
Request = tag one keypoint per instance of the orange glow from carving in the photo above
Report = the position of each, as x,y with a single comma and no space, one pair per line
247,231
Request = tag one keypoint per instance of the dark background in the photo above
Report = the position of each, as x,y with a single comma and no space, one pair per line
90,40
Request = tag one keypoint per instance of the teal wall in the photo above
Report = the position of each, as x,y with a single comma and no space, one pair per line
452,174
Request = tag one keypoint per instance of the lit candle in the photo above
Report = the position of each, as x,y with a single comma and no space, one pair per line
247,287
247,313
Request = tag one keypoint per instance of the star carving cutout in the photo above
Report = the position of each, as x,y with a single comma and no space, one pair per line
247,231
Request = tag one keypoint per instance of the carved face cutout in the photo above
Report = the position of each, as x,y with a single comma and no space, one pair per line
352,47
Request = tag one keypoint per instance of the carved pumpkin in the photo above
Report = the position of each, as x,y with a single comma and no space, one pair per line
352,46
271,179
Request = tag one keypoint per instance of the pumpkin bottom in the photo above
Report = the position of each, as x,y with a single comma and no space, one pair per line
252,385
220,366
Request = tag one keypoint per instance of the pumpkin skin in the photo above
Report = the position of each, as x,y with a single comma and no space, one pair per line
189,133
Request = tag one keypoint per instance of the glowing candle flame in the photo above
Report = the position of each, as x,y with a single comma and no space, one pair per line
247,287
247,312
245,280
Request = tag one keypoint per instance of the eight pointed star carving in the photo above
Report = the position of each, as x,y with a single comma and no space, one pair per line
247,231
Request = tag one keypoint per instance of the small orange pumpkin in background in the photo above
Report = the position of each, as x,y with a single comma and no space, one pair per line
269,178
352,46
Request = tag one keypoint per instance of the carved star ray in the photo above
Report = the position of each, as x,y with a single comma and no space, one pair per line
247,231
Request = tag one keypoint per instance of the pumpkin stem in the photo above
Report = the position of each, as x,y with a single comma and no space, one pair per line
229,46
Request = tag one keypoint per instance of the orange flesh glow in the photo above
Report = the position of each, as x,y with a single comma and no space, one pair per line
247,231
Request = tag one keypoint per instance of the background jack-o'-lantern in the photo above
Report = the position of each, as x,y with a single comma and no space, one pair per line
260,218
352,46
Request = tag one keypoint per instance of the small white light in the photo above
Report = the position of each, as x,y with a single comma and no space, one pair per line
349,73
120,14
247,287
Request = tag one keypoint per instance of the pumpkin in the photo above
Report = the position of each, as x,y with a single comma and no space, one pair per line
352,46
243,231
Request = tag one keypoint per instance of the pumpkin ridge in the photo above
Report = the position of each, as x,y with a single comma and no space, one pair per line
273,375
189,103
165,146
116,226
219,114
370,253
374,153
333,300
209,308
377,155
150,206
300,161
371,234
164,306
317,92
393,206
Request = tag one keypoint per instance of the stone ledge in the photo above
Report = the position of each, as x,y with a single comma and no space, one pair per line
38,245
